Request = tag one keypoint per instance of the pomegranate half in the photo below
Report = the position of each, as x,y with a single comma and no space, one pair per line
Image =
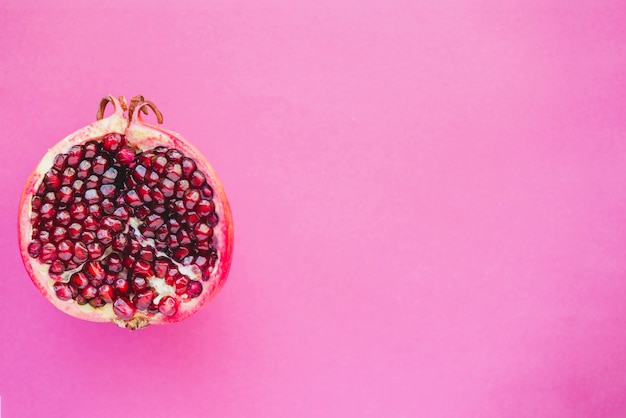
126,222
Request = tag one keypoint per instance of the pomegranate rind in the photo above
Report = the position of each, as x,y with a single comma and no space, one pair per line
143,136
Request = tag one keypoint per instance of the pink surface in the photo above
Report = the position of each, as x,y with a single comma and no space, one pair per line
429,200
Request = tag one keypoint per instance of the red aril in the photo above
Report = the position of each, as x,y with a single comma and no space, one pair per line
126,222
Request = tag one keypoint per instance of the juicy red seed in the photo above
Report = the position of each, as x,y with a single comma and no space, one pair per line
157,196
90,149
34,248
110,278
183,237
63,217
120,243
197,179
175,155
112,142
161,265
146,231
96,211
100,164
173,171
74,230
133,199
181,188
94,270
58,234
112,223
65,250
187,260
79,187
108,206
65,195
79,280
92,181
194,289
167,187
134,246
74,155
172,241
59,161
121,285
143,268
152,179
202,232
212,219
139,173
109,176
122,213
78,210
47,211
181,253
158,163
154,221
97,302
48,253
189,166
36,202
50,197
80,252
201,261
89,292
81,300
144,193
159,209
92,196
104,236
44,236
174,226
114,263
168,306
205,207
90,223
68,176
153,308
192,218
206,191
63,291
147,254
95,250
124,308
57,267
52,180
179,208
181,284
162,233
161,149
139,283
84,169
106,292
125,155
88,237
143,299
142,212
107,191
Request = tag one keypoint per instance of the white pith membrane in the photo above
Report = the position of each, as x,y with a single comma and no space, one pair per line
142,137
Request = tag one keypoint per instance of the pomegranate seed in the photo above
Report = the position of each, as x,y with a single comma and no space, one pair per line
172,241
157,196
121,286
139,284
113,223
44,236
144,193
109,176
142,212
205,207
128,261
197,179
58,234
65,195
108,206
121,213
173,171
106,292
183,237
79,280
63,217
51,179
192,218
110,278
88,237
181,187
112,142
146,232
139,173
143,268
162,232
143,299
78,211
95,250
174,226
48,253
84,169
65,250
74,230
100,164
212,219
125,155
147,254
92,196
74,155
152,179
153,308
172,274
104,236
161,265
201,261
89,292
134,246
154,221
181,284
90,223
107,191
194,289
181,253
159,209
34,248
36,202
50,197
59,161
167,187
120,243
188,166
41,189
97,302
92,182
202,232
179,208
81,300
47,211
168,306
96,211
90,149
63,291
79,187
158,163
133,199
68,176
94,270
114,263
56,267
124,308
175,155
207,191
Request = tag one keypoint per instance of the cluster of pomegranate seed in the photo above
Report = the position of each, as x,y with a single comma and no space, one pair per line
109,221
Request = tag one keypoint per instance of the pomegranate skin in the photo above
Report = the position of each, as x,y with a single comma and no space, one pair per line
142,137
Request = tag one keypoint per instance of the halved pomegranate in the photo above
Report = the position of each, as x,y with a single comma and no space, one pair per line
127,222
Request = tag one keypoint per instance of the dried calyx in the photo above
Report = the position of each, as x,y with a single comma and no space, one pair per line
127,222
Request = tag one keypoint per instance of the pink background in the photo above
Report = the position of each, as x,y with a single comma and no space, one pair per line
430,206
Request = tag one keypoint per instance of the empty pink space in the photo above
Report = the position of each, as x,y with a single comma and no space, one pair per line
429,202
